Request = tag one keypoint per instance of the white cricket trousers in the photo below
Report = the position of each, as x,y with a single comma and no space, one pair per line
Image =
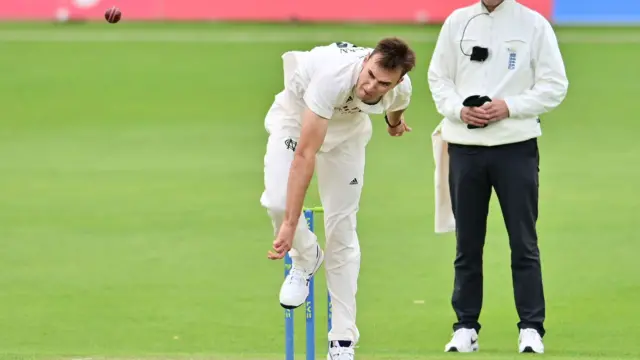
340,174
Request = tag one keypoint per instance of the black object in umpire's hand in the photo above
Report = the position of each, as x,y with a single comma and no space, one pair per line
475,101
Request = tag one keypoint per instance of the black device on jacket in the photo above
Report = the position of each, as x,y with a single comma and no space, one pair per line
479,53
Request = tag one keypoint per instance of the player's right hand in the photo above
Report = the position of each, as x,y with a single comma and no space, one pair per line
475,116
283,242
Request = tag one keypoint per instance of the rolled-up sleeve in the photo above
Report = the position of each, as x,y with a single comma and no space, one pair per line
441,74
551,83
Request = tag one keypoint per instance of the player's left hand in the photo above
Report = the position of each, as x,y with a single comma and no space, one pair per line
283,242
400,129
497,110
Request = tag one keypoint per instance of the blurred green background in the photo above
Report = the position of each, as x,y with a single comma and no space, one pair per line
130,223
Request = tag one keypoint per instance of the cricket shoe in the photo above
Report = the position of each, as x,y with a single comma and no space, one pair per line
295,288
464,341
341,350
530,341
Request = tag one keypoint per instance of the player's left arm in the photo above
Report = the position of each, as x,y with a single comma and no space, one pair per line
551,81
400,102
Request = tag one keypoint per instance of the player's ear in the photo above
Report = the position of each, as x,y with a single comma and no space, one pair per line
401,79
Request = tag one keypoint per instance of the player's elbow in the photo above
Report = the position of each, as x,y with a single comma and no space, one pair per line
564,87
305,154
551,91
557,83
558,90
303,161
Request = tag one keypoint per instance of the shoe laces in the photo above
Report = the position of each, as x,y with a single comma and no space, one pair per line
297,275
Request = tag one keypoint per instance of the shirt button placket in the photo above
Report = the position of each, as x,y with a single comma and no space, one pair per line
486,68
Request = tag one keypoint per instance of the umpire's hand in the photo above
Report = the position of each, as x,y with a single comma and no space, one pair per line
475,116
496,110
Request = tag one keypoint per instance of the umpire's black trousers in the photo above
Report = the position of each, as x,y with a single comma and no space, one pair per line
512,170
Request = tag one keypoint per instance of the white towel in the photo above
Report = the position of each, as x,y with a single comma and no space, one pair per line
444,219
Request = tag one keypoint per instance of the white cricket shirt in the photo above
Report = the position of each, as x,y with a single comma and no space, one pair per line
524,68
324,80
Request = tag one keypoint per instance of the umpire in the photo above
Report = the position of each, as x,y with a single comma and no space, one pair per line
496,67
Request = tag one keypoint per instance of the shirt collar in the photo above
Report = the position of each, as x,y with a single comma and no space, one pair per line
505,6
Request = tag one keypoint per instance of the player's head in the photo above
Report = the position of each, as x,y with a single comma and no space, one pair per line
384,68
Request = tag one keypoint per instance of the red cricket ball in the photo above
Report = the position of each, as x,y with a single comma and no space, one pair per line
113,15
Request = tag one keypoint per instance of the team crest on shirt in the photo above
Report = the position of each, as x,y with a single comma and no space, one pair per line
348,107
512,59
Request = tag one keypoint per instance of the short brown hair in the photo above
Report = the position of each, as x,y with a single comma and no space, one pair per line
395,53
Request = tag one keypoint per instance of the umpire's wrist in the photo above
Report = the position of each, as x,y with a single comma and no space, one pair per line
386,119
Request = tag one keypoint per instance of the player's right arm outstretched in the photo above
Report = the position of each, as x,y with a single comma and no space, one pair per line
320,98
314,129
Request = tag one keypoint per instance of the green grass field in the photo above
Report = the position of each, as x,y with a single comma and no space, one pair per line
130,223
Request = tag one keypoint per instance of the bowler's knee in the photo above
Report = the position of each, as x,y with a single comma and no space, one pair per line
339,255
